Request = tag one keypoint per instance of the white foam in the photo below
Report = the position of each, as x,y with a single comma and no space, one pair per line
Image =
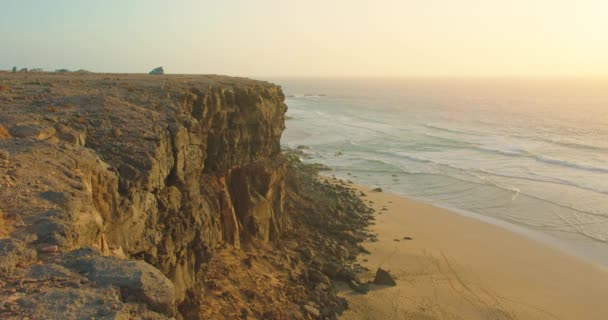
571,164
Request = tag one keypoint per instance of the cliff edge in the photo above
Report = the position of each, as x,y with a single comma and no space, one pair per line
119,193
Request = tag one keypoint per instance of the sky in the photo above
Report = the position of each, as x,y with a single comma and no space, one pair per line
327,38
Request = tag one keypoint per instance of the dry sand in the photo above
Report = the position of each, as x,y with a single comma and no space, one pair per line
457,267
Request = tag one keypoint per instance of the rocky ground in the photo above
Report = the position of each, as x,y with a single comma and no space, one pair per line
154,197
294,278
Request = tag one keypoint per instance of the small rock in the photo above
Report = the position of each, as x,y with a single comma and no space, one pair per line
308,253
343,252
49,249
4,133
377,190
407,238
331,269
312,311
318,277
384,278
359,287
117,132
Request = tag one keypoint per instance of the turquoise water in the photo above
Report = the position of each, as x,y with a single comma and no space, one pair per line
526,153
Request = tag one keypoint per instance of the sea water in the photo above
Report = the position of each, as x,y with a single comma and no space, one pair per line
528,153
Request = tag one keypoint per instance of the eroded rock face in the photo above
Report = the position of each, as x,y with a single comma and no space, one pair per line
162,169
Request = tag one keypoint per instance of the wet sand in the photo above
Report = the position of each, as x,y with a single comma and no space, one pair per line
457,267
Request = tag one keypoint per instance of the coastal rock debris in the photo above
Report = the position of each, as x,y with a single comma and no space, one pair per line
384,278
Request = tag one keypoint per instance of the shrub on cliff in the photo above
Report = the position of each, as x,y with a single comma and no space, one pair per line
158,71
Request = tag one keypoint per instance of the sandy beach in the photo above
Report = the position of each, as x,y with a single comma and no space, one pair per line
457,267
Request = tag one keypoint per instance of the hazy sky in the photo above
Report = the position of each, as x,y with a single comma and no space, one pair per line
309,38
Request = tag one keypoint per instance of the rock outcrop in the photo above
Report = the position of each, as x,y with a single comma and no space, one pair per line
162,170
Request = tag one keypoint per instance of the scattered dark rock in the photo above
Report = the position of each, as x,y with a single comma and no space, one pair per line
377,190
407,238
359,287
342,252
384,278
331,269
318,277
314,312
363,250
308,253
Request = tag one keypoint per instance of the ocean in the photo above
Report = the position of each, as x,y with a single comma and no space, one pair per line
527,154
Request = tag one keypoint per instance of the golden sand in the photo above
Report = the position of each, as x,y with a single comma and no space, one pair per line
456,267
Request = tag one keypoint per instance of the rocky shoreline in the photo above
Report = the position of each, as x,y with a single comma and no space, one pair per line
131,197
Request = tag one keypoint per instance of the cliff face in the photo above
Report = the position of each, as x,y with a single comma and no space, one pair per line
164,170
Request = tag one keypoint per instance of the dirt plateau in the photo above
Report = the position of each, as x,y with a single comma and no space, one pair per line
154,197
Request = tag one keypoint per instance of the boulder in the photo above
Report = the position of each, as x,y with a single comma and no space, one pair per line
14,253
70,135
331,269
138,281
158,70
377,190
384,278
32,131
81,303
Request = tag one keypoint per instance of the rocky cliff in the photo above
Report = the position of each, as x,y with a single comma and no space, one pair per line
163,170
158,197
